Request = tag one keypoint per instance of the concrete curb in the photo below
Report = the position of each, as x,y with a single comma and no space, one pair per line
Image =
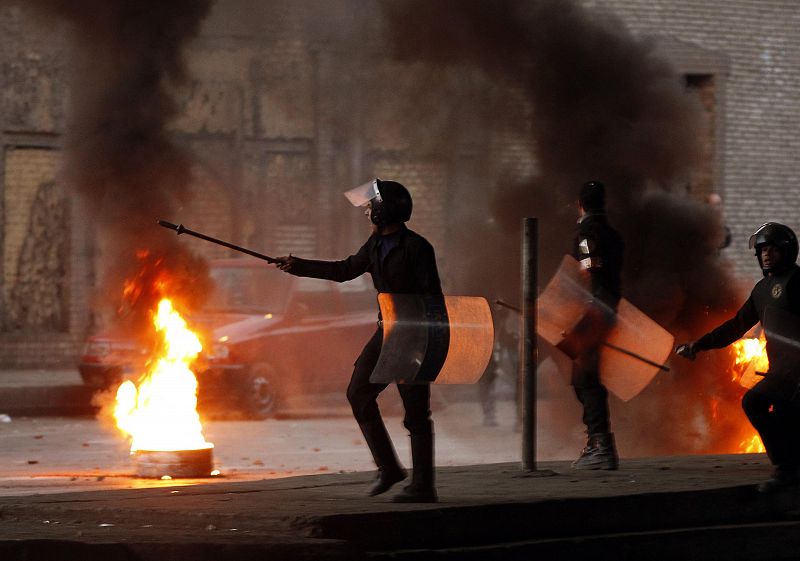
33,401
699,507
66,550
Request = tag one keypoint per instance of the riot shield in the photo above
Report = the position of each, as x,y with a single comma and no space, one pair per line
633,348
433,339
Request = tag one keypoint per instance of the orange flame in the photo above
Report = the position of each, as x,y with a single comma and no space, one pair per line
160,414
753,445
751,357
751,354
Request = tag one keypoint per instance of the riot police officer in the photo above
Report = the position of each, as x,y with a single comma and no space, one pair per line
400,261
772,404
599,250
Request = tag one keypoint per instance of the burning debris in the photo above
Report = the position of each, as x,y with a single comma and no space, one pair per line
160,412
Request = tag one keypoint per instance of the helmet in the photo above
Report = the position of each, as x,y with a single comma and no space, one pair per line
391,201
780,236
593,196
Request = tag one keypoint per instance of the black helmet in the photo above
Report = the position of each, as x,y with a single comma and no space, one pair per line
780,236
592,196
392,203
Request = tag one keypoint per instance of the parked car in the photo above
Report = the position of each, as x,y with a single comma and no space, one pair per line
269,335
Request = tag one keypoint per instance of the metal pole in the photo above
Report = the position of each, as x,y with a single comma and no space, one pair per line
528,346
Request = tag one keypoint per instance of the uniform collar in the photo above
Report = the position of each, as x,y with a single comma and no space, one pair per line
591,215
394,235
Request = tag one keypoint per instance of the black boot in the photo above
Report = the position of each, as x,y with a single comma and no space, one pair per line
422,488
784,477
389,469
385,480
600,453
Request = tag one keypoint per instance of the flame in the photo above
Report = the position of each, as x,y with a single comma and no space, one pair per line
751,357
750,353
753,445
160,413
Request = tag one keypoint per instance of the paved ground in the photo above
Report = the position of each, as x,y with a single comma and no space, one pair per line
328,516
293,488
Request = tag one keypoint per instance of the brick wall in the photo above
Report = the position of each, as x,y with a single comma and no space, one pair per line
43,317
38,323
33,73
758,133
26,169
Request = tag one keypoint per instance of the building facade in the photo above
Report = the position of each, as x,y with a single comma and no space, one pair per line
287,108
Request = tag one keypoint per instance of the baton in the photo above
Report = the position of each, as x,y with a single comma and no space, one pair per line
181,229
631,354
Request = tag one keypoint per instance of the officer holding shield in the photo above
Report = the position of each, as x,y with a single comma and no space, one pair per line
599,249
772,405
400,261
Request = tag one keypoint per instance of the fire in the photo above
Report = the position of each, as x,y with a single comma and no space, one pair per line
160,413
753,445
751,359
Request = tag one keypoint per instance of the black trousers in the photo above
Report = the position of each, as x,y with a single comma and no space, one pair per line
591,393
779,427
362,394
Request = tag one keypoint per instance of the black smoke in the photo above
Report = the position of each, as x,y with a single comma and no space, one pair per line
605,106
126,64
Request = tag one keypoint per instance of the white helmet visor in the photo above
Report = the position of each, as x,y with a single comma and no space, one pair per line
361,195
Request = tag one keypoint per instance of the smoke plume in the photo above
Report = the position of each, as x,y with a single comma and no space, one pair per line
127,65
605,106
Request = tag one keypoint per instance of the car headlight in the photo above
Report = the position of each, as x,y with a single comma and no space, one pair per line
218,351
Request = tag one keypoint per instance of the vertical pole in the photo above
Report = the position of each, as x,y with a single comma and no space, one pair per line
528,346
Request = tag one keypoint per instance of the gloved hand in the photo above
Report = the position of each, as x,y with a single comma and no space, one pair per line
687,350
285,263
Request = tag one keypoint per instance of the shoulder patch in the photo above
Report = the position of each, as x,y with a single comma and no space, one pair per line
586,246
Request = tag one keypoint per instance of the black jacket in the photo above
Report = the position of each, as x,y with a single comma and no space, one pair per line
775,302
599,249
408,268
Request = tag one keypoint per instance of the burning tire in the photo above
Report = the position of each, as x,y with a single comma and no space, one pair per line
260,392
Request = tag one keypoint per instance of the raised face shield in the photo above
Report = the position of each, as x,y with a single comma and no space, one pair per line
363,194
389,201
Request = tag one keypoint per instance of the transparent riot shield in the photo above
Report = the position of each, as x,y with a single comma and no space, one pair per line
633,349
433,339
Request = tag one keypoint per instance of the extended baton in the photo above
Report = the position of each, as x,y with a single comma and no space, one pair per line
181,229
